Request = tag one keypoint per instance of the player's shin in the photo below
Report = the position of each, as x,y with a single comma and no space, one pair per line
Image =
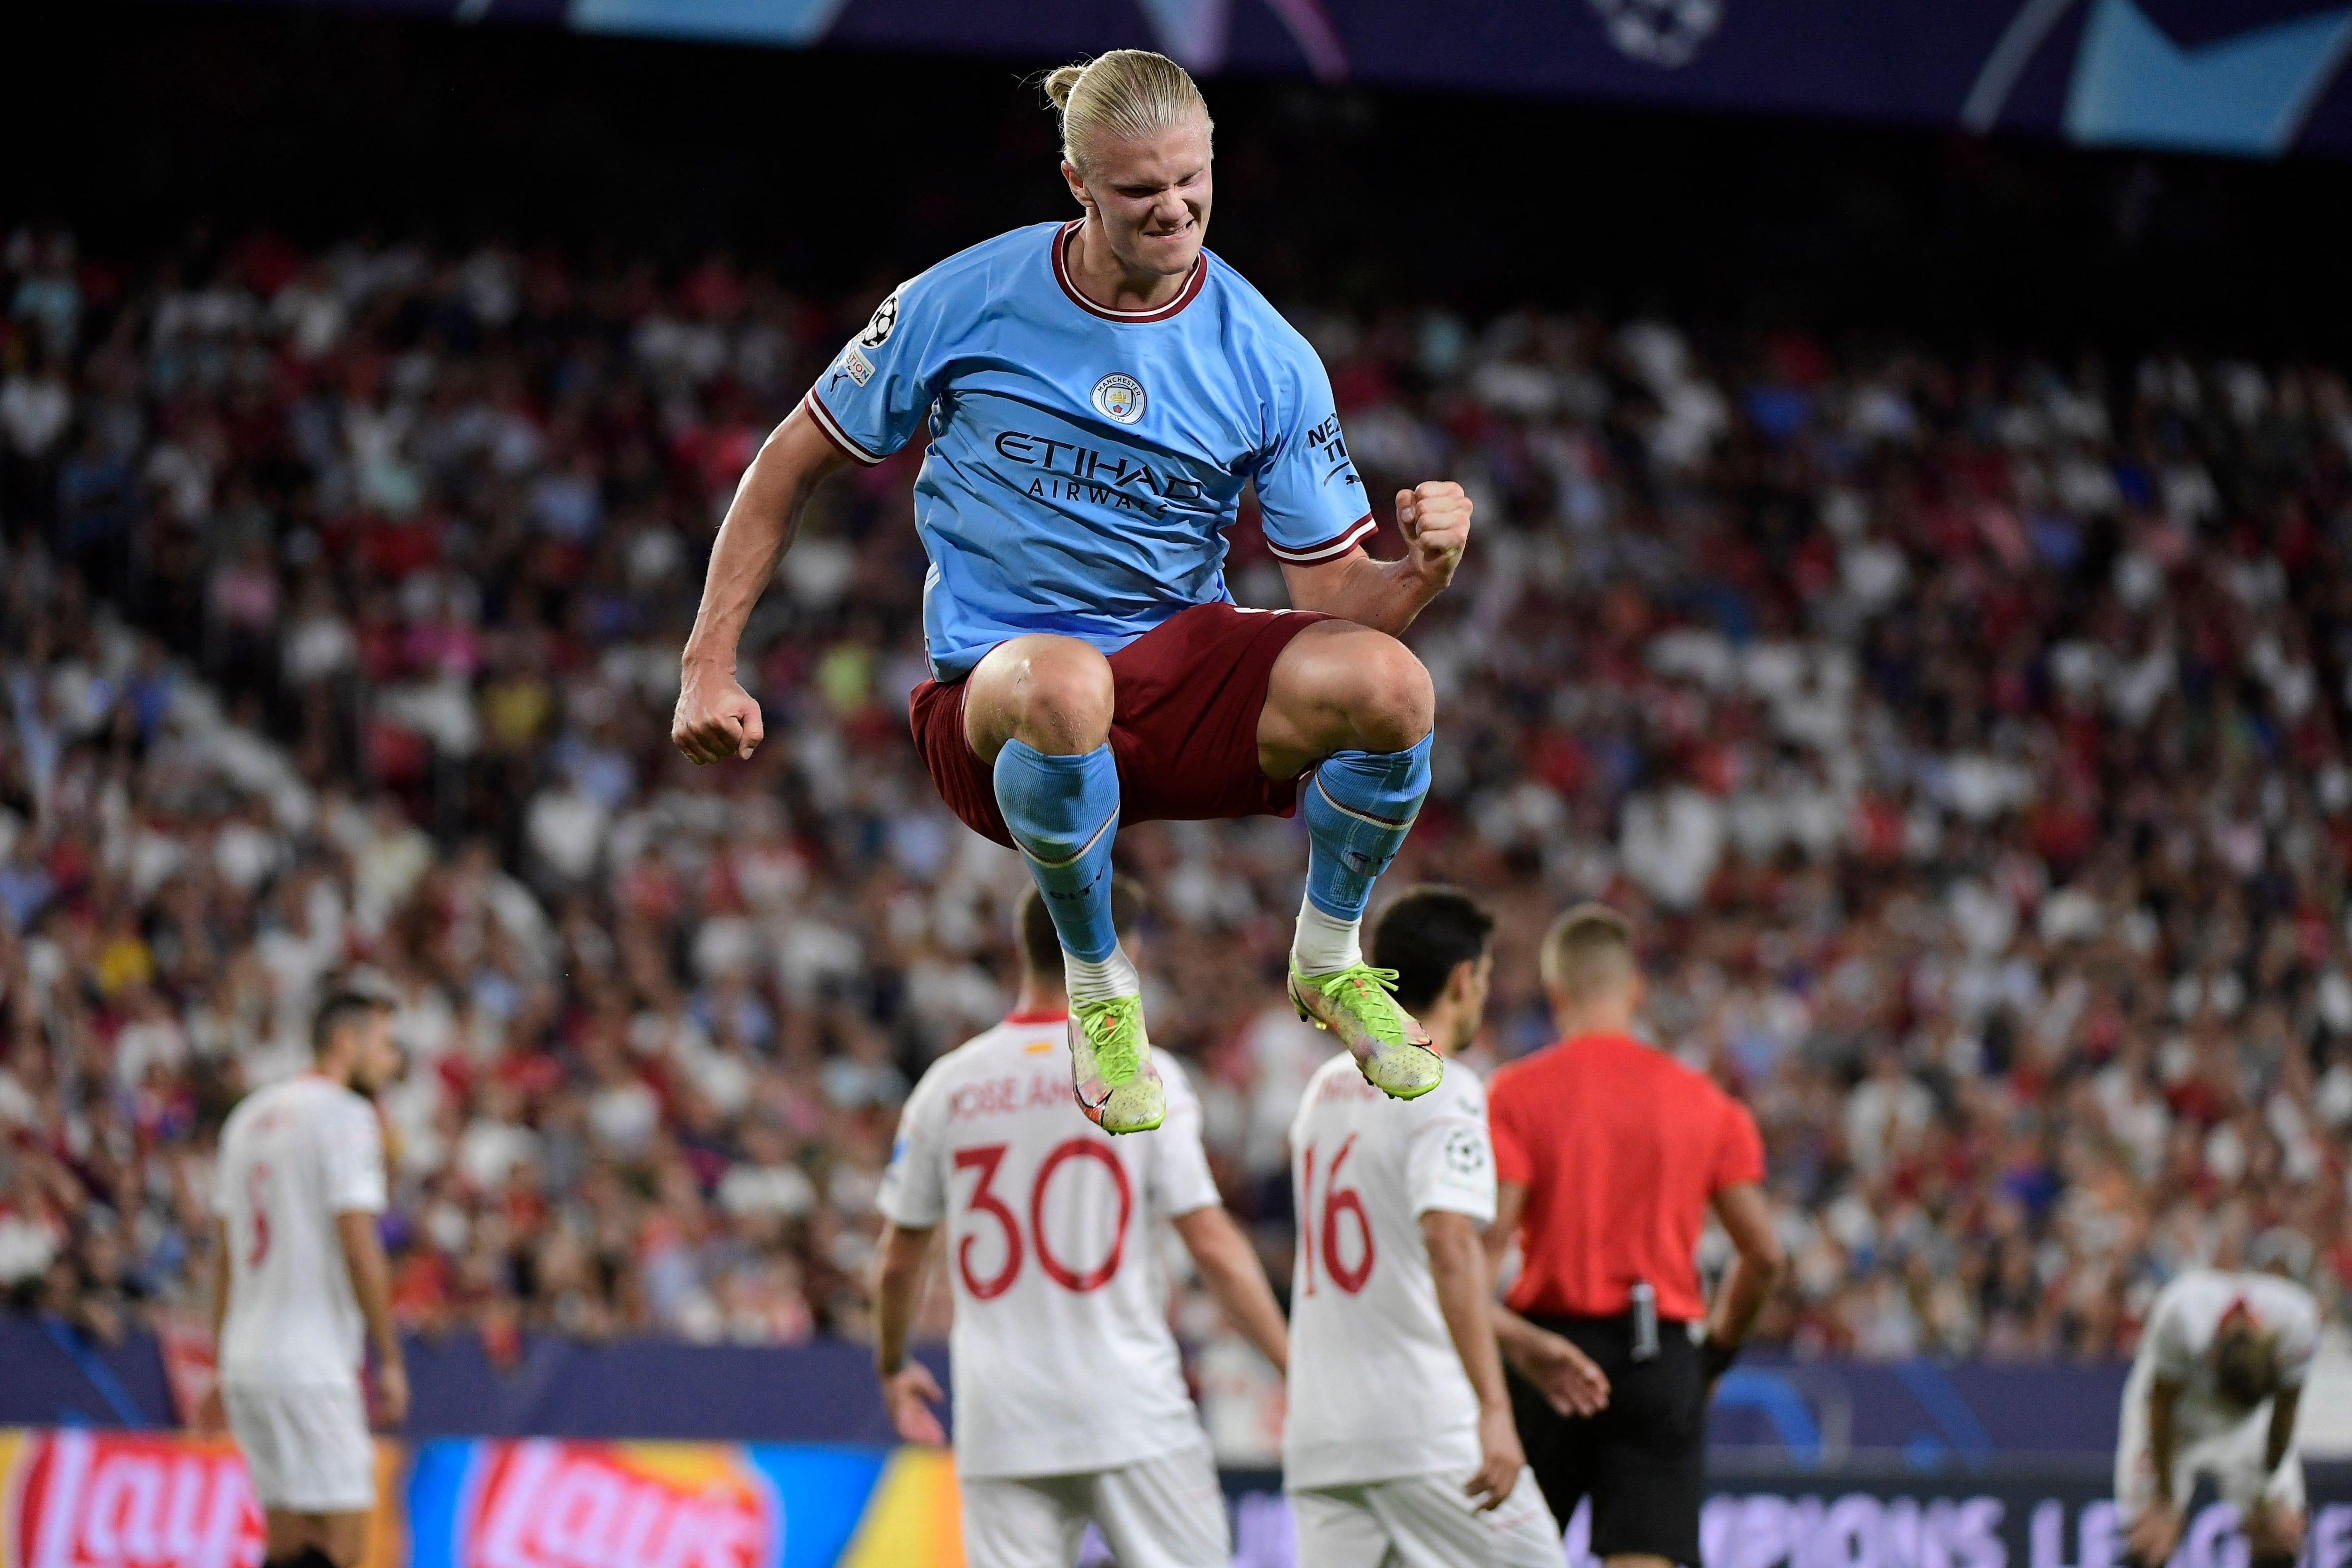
1063,811
1358,807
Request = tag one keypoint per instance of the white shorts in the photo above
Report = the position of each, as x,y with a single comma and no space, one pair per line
2232,1452
305,1445
1167,1512
1424,1522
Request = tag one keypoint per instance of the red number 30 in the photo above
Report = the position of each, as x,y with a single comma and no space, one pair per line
986,1159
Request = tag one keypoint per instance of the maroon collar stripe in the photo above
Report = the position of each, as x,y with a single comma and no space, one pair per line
1200,275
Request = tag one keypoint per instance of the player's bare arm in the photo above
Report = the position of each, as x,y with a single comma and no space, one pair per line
1229,1265
909,1393
1566,1378
2157,1531
1756,1267
372,1287
2284,1405
1385,595
716,717
212,1416
2272,1528
1457,1264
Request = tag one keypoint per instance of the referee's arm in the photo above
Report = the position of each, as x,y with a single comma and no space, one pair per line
1747,1218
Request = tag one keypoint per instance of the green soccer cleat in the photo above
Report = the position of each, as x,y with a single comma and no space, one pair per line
1357,1003
1110,1066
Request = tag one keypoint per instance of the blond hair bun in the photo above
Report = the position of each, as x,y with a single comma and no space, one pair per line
1061,82
1121,95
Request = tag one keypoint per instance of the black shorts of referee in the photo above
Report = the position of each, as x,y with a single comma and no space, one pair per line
1643,1460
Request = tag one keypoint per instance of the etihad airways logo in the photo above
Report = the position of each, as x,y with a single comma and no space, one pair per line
1075,471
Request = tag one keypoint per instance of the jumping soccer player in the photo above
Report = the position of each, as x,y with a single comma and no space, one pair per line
1398,1445
2214,1391
1069,1396
1096,395
301,1274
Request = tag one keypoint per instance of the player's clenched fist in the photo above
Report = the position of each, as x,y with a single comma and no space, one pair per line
1434,518
716,717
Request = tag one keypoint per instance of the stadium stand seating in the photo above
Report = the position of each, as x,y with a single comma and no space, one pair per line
1966,733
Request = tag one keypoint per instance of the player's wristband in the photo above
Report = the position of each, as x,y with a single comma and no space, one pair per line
1714,1357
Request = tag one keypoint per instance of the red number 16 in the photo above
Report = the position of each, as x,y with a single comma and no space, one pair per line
1337,1200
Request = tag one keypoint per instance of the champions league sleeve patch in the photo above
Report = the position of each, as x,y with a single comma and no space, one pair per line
884,322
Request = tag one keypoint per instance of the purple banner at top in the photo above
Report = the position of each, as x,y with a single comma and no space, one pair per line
2251,78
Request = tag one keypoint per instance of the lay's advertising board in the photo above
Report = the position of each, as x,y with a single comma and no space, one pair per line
87,1498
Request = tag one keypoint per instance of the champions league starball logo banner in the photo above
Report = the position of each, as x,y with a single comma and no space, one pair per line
1666,33
2252,78
2245,77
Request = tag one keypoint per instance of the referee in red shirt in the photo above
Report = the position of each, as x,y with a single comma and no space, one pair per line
1608,1154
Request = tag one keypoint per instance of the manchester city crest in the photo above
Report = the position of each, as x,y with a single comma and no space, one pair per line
1120,397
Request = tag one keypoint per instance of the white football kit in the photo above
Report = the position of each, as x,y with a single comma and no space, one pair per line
292,1157
2212,1436
1382,1428
1070,1402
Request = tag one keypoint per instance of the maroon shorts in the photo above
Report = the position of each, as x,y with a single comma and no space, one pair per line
1183,724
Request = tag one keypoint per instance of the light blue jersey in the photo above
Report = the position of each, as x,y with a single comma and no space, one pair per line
1083,463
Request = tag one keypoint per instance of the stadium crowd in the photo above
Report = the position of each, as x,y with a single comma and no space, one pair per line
1966,734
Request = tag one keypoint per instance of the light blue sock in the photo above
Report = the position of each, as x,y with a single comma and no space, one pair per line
1358,807
1063,814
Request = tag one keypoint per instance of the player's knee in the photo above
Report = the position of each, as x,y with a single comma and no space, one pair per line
1062,702
1392,701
